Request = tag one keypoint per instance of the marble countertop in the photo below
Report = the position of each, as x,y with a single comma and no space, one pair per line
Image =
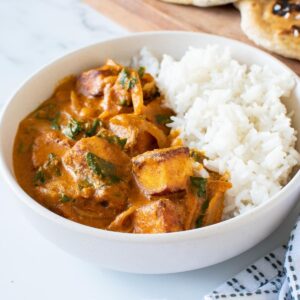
33,32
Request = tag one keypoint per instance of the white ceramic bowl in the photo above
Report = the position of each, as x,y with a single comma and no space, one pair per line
140,253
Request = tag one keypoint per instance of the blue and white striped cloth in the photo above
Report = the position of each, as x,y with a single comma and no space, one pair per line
275,276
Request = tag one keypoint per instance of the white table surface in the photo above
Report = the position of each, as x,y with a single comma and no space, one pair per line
32,32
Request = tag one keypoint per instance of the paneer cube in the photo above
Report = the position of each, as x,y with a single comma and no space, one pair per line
102,167
163,171
159,216
76,162
90,83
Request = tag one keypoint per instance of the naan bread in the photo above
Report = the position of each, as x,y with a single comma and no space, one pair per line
202,3
274,25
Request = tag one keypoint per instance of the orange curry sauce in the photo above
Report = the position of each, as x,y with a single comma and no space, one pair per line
98,152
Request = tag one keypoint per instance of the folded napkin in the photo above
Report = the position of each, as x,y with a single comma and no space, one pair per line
275,276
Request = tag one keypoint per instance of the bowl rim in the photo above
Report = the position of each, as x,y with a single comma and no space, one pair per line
129,237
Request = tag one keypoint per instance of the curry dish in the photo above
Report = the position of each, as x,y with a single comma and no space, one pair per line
99,152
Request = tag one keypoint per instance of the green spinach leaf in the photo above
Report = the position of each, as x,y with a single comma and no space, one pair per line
103,168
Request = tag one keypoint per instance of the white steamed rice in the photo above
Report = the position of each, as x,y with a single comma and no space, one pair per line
235,115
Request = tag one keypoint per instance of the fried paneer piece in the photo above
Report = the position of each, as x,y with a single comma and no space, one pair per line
162,171
100,169
154,216
92,82
159,216
47,143
75,159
